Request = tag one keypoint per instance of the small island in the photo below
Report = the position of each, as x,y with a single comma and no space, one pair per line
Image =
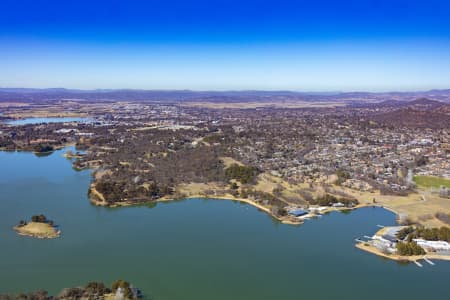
39,227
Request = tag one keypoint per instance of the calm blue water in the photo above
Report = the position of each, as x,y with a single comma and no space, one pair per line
46,120
192,249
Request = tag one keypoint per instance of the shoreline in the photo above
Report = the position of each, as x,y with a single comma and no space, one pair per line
413,258
396,213
55,148
289,220
102,202
38,230
284,220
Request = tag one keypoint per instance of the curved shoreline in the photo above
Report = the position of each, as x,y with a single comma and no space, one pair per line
55,148
290,220
285,220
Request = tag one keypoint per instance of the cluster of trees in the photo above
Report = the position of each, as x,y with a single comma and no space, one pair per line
188,164
409,248
22,223
281,211
403,233
433,234
43,148
93,290
342,176
215,138
430,234
328,200
6,143
243,174
155,191
125,286
116,191
421,160
267,198
111,190
39,219
387,190
97,288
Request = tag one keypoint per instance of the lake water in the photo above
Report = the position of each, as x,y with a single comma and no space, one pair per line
46,120
192,249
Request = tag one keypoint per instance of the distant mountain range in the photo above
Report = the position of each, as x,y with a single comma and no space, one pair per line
353,98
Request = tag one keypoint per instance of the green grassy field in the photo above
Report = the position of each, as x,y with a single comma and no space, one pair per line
431,181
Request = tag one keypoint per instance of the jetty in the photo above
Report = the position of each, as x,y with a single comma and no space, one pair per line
418,263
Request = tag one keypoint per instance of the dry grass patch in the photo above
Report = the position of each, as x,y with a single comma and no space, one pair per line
228,161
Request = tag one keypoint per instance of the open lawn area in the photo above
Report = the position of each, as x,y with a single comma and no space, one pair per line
431,181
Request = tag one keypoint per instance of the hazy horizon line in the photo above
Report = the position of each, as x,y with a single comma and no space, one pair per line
312,91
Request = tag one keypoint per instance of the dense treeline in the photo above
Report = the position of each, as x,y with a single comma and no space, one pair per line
403,233
433,234
39,218
113,191
328,200
430,234
199,164
342,176
93,290
409,248
43,148
243,174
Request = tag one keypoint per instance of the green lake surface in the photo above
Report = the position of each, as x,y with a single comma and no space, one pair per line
192,249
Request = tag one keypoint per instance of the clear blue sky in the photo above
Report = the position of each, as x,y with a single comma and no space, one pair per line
314,45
